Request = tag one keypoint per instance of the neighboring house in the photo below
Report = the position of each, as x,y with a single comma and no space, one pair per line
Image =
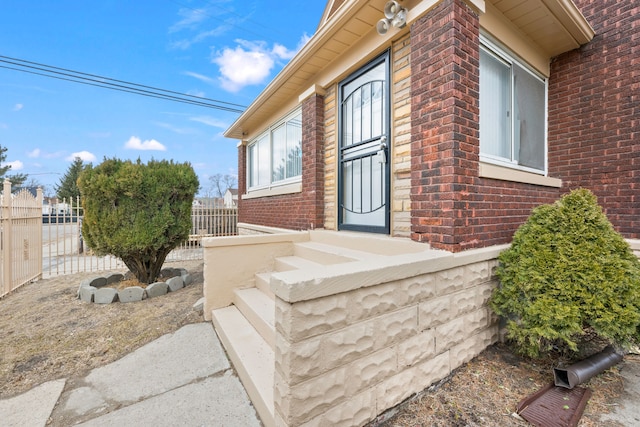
231,198
448,132
53,206
208,202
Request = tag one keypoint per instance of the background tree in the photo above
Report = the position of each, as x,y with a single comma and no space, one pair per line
137,212
35,183
219,183
67,187
16,179
568,278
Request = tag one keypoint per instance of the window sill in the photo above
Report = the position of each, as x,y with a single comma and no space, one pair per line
488,170
274,191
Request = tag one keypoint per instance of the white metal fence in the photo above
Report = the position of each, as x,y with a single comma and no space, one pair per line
21,238
40,241
65,252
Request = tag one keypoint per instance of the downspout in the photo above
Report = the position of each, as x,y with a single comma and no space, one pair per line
586,369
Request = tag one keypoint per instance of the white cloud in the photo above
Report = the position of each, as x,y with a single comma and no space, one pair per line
18,107
84,155
135,143
185,44
250,63
37,153
210,121
181,131
191,18
200,77
240,67
15,165
282,52
192,22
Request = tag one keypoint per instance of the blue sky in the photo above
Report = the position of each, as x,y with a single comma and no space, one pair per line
225,50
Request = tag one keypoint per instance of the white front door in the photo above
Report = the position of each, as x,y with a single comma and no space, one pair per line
363,177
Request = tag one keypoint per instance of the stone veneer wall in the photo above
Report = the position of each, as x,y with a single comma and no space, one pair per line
330,160
343,359
401,142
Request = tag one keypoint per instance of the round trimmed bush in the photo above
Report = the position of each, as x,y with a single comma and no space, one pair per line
567,276
137,212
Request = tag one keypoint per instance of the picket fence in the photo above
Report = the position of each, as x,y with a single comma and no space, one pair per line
21,238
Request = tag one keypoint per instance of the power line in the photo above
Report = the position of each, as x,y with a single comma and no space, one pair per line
114,84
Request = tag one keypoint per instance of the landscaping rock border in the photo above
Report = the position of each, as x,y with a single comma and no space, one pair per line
95,289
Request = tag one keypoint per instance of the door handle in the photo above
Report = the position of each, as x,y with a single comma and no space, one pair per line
381,155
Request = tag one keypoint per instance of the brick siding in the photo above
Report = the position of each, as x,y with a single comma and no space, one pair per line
594,113
452,207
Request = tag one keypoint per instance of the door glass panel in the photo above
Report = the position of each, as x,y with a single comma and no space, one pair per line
377,110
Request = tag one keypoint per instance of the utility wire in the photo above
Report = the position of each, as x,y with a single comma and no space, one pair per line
159,96
116,80
115,84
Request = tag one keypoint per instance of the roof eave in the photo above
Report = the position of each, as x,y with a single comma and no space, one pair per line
323,34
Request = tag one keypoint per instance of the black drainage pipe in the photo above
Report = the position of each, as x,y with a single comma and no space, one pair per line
584,370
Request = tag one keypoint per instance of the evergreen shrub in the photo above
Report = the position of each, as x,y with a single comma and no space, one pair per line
137,212
567,276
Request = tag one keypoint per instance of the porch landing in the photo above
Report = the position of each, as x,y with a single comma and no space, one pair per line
319,323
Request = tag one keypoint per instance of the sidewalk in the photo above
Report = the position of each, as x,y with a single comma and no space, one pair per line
183,378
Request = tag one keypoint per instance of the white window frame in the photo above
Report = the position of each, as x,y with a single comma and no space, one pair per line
503,54
268,134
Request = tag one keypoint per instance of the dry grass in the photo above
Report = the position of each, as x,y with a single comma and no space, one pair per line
486,391
46,333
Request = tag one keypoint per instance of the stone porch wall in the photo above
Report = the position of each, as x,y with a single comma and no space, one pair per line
350,346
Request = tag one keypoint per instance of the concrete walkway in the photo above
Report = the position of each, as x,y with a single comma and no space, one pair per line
626,411
183,378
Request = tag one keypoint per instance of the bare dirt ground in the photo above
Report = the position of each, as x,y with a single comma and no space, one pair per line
486,391
46,334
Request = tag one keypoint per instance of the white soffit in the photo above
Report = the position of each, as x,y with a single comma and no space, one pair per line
556,26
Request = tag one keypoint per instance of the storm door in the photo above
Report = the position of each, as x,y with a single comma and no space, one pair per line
363,141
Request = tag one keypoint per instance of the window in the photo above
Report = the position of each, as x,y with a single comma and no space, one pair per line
276,156
513,111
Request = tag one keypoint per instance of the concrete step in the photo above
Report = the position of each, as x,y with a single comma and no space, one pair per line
288,263
262,282
368,242
259,310
251,356
330,254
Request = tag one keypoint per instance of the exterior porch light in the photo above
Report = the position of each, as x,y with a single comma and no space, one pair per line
394,15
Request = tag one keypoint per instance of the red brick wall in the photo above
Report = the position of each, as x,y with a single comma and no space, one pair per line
298,211
594,113
452,208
